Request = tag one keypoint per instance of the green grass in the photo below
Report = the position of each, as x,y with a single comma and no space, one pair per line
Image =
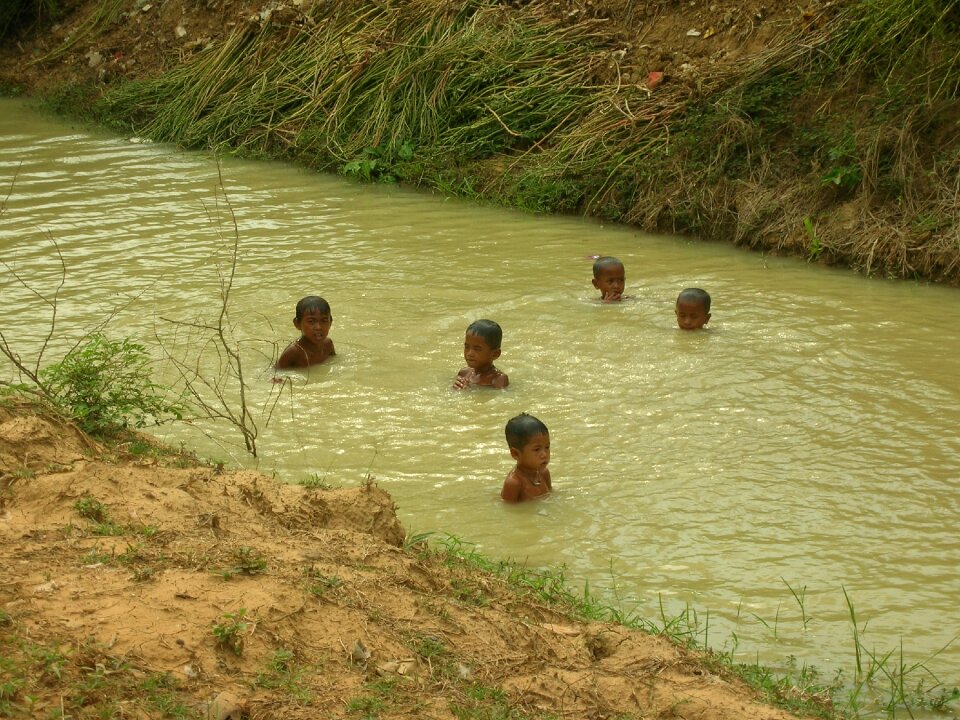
879,682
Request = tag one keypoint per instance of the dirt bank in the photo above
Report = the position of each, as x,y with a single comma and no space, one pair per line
137,583
826,130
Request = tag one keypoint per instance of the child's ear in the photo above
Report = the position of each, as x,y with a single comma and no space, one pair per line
296,323
496,353
707,320
515,454
595,284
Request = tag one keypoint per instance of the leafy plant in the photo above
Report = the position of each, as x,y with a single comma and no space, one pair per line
229,632
318,583
105,386
91,509
813,252
249,561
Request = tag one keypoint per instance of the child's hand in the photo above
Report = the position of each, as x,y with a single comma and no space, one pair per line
612,296
461,382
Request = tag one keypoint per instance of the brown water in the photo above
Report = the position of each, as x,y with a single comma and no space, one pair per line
808,439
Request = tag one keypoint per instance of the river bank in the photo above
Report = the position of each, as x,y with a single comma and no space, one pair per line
804,131
137,581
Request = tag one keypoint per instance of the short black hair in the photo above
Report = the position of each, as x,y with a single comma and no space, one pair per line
491,333
605,263
695,295
312,303
521,428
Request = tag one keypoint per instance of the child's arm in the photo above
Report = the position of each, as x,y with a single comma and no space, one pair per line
332,350
511,489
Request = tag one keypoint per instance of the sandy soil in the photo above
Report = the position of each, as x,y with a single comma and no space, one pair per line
120,566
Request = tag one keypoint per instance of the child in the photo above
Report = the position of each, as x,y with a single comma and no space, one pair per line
313,319
693,309
609,277
529,442
481,347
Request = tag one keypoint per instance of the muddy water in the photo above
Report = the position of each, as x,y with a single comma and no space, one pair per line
808,440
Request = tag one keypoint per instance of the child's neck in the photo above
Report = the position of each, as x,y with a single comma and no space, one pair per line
533,476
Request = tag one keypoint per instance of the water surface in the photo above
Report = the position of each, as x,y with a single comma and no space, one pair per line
807,441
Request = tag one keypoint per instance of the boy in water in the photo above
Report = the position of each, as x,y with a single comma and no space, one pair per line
313,319
529,442
609,277
693,309
481,347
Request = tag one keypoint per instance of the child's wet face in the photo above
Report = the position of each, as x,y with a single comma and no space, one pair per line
478,353
535,455
610,282
314,325
691,315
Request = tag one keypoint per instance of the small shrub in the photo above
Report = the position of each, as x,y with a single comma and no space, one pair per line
230,630
105,386
249,561
92,509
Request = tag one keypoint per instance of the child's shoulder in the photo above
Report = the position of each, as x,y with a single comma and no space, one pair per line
293,356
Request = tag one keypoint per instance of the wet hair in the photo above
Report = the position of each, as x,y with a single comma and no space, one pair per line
521,428
606,262
695,295
312,303
491,333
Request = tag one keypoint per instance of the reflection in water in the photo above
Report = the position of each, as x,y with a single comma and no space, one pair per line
806,441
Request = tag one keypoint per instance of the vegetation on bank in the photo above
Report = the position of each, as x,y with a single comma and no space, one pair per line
839,143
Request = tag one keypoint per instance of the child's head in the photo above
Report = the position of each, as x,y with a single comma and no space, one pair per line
693,309
481,346
312,303
529,441
609,277
313,318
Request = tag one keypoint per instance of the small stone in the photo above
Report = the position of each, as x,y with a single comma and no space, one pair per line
225,706
180,31
46,588
360,652
94,59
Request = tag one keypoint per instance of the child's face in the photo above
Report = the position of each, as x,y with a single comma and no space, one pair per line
535,455
610,282
478,353
314,325
691,315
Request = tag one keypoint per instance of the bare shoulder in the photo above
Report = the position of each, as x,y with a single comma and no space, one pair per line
545,476
293,356
500,380
512,488
328,346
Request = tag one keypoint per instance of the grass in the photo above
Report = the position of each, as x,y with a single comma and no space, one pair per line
88,681
879,682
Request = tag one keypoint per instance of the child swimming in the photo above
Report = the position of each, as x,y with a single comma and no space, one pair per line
529,443
313,319
692,309
609,277
481,346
